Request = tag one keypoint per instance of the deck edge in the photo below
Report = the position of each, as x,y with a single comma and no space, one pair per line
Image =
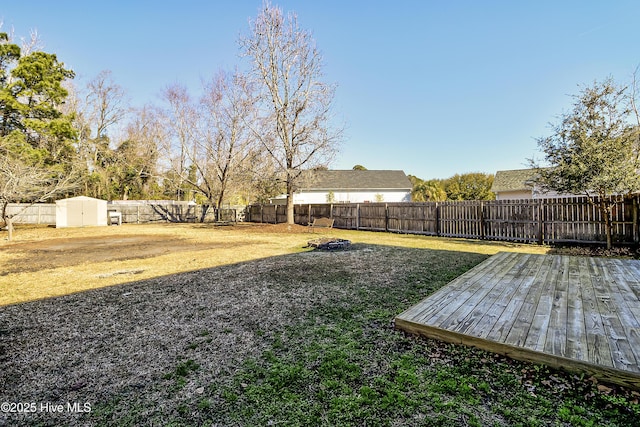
602,373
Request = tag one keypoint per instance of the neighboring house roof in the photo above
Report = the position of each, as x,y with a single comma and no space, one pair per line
353,180
514,180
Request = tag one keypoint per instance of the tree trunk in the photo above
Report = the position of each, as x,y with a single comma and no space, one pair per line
290,217
10,227
608,223
219,204
3,212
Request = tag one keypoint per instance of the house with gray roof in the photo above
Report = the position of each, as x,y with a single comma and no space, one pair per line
351,186
514,184
519,184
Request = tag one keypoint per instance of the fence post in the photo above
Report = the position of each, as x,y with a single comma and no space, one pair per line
357,216
437,219
386,217
635,220
540,222
309,215
482,223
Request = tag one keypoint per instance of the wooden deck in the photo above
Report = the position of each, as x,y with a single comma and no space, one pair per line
576,313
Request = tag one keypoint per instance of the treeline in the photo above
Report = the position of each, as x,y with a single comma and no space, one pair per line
466,186
62,137
237,141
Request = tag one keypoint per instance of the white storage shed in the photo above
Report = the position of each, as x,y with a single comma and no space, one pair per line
81,211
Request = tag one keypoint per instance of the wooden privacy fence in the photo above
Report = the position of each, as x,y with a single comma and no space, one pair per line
137,213
542,221
39,213
149,212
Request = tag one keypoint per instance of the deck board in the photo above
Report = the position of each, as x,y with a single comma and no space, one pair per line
576,313
576,332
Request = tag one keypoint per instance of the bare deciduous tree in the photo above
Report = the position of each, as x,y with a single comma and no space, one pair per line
635,94
32,44
31,183
27,46
99,108
210,142
136,167
106,102
226,141
288,68
180,148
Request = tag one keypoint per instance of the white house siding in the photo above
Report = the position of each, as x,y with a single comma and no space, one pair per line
512,195
528,194
314,197
539,194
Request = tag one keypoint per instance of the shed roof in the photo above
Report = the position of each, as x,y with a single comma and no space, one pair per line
355,180
83,198
514,180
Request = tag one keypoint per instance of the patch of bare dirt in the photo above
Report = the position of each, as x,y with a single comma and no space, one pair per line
276,228
66,252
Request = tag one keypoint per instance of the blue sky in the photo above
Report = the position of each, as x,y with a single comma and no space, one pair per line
430,87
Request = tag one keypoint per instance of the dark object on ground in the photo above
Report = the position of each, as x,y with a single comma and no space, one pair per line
329,243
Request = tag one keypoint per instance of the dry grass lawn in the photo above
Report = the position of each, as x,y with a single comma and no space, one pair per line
192,324
42,262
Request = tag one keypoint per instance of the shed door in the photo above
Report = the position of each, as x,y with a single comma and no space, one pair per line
74,213
90,213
